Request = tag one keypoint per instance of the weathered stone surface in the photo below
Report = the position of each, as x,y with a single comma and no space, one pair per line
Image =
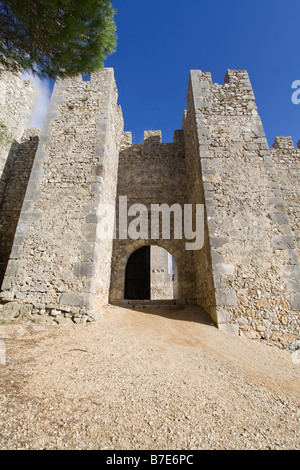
67,178
226,298
295,302
13,310
281,243
80,300
245,275
249,224
291,272
150,159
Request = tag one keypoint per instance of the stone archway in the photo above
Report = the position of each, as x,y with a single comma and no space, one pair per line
184,264
151,274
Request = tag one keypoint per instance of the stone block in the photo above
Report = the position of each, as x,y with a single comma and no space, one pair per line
295,302
21,228
206,153
29,217
90,231
274,200
96,188
84,269
293,285
280,219
90,208
291,256
216,242
98,170
15,252
223,268
216,257
229,328
7,296
100,150
6,284
282,243
210,211
290,272
90,257
219,282
12,268
152,137
76,300
226,298
178,136
14,310
91,219
223,316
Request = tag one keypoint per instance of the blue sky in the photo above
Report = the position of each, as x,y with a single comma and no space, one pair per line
160,41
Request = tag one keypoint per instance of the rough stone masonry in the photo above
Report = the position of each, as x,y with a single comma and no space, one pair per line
246,276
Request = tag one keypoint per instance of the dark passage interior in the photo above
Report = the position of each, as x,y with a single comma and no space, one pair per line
137,275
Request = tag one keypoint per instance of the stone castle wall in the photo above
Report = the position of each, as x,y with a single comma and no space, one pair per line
152,173
250,264
246,275
17,151
56,257
17,101
287,163
22,155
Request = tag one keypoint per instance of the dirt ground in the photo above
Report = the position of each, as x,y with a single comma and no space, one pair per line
160,379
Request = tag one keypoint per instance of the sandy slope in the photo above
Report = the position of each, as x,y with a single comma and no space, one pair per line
160,379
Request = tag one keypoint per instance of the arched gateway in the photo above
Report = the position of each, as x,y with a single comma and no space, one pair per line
247,269
150,274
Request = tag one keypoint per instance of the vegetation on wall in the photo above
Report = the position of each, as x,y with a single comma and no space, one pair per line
5,137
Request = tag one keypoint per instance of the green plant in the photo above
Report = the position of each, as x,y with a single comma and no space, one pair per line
56,38
5,137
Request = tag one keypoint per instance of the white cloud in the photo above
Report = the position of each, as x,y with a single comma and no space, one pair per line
45,89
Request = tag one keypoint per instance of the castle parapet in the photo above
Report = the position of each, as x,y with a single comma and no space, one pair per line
151,137
283,143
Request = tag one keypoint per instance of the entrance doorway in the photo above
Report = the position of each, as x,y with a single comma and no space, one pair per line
137,275
151,274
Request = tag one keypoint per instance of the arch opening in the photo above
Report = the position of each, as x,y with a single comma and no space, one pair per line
151,274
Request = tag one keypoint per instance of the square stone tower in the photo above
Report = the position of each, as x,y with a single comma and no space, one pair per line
56,259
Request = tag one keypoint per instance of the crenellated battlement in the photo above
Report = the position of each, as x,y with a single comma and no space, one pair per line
285,143
152,137
246,274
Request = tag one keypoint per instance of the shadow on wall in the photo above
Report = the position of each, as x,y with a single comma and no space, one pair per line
13,184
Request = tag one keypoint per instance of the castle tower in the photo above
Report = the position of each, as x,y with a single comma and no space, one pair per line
56,259
246,272
247,275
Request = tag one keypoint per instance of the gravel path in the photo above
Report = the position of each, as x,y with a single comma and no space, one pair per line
145,380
